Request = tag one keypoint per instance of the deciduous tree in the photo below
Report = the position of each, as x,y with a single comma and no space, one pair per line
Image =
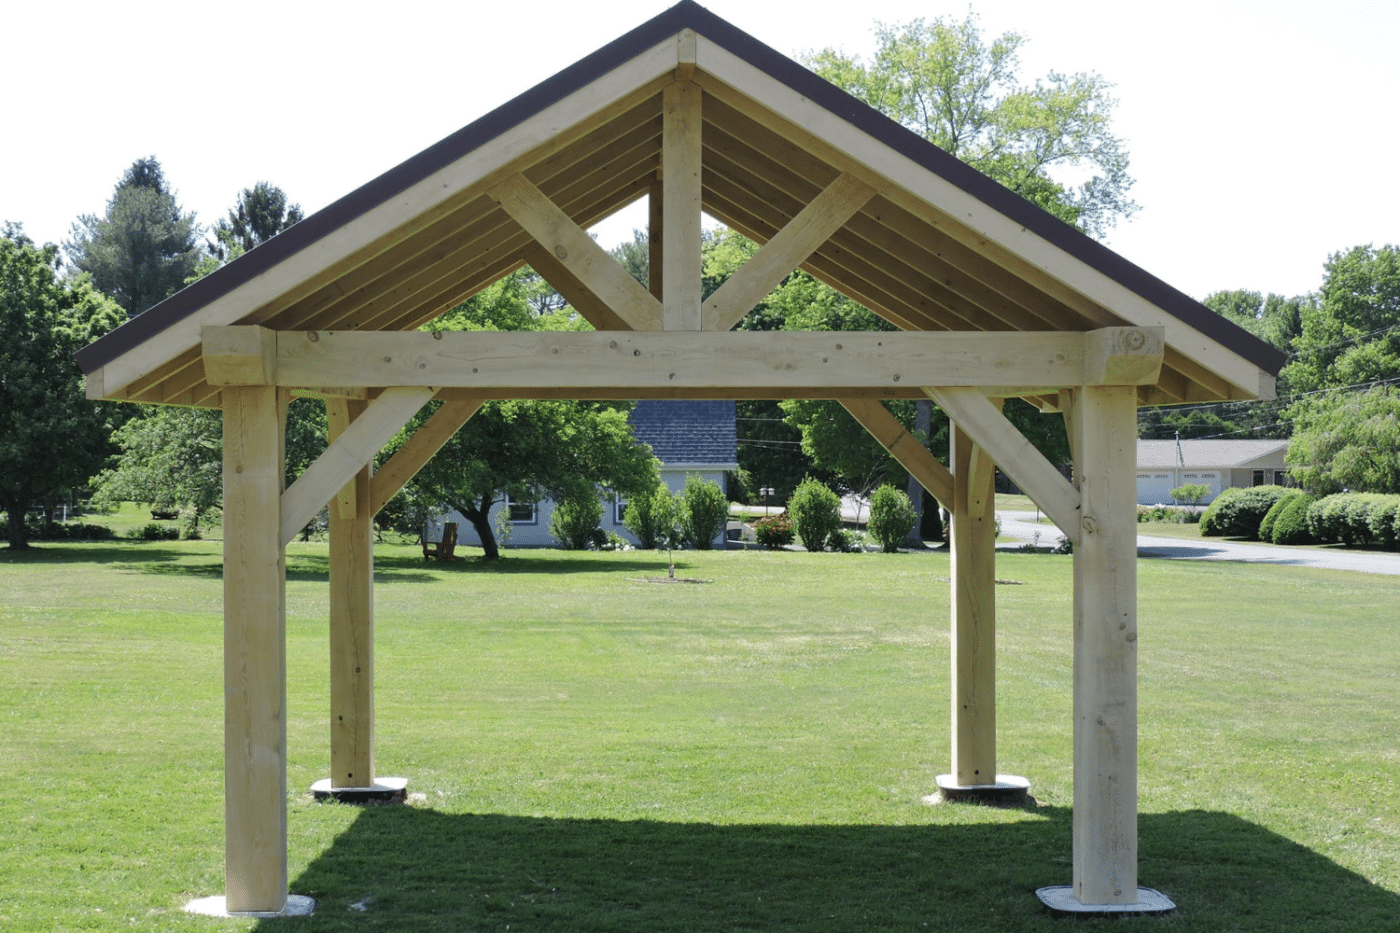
942,80
51,436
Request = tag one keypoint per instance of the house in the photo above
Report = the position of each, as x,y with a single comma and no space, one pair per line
688,436
1216,464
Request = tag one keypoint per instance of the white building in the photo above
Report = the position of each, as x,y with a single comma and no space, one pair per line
1216,464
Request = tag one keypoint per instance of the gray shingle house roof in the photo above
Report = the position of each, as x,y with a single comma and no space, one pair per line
1208,453
688,432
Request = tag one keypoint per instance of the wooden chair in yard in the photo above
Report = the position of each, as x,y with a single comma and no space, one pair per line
446,549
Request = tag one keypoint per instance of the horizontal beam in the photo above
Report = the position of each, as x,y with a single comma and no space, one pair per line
635,360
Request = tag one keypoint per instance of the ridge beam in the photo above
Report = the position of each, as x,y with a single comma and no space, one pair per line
785,251
576,251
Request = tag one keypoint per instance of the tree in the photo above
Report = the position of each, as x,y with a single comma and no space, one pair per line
144,248
172,458
703,512
51,436
261,213
1348,440
891,518
1351,335
1274,319
530,450
941,80
816,514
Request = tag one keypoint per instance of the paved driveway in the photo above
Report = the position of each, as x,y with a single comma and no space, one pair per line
1022,527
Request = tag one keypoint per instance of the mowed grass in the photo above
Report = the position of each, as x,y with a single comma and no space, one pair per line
595,751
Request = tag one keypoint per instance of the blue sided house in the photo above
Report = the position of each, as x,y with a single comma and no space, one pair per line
688,436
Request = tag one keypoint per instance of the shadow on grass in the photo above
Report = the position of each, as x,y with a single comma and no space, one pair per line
402,868
538,564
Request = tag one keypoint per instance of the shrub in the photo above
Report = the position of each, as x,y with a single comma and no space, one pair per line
1266,526
891,518
1356,518
846,541
153,532
1325,518
1291,523
1236,513
816,513
703,512
774,532
1190,494
651,517
1168,513
1385,523
576,518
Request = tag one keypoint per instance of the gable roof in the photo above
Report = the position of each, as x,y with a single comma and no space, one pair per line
939,247
1226,454
688,432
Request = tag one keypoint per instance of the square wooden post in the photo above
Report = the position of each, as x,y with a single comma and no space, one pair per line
351,618
973,538
255,651
1104,439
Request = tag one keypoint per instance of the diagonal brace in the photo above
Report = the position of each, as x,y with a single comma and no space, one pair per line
339,462
903,446
975,414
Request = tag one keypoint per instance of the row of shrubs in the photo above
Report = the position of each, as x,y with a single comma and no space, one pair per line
693,518
1174,514
1292,516
58,531
814,516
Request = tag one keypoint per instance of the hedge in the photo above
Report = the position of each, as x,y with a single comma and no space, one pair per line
1356,518
1291,525
1237,513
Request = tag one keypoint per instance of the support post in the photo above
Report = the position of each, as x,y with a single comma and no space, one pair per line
255,651
972,536
1104,420
973,572
352,619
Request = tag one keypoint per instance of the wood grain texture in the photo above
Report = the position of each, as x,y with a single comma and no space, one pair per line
255,651
1105,647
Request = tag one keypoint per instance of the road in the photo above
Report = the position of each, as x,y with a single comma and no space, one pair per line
1023,528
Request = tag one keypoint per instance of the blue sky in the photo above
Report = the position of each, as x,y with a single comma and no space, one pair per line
1263,135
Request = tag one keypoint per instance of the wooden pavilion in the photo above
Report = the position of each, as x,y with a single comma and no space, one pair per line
993,299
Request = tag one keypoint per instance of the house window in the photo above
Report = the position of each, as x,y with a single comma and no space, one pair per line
1258,477
522,513
619,510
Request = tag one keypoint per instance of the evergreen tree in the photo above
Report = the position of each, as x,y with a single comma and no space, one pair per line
261,213
144,248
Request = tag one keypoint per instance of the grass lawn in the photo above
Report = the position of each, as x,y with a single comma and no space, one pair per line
597,752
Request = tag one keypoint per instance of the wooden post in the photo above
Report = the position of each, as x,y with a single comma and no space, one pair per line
656,238
680,220
352,618
973,539
1104,423
255,651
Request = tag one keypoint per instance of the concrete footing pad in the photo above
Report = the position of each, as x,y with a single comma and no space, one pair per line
383,790
1007,789
1061,900
298,905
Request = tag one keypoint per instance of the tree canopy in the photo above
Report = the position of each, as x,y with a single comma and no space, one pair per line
941,79
144,247
51,436
261,213
529,450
